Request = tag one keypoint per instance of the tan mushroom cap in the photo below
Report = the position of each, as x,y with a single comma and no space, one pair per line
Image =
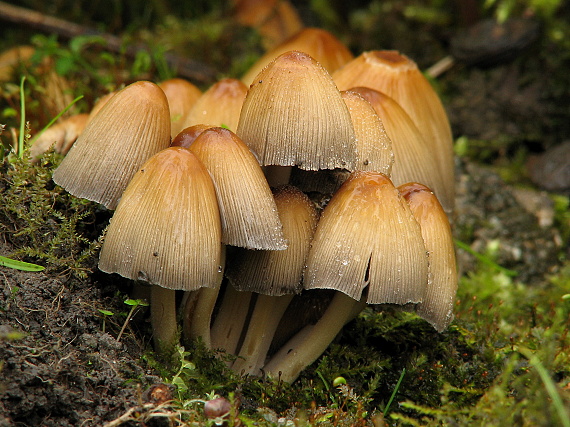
367,236
373,146
60,136
437,306
414,161
166,229
279,272
320,44
181,95
130,128
294,115
247,208
220,105
398,76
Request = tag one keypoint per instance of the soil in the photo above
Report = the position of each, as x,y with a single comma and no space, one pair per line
64,370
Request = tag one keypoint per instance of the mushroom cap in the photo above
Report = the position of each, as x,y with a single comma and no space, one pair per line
373,146
398,76
301,115
181,95
188,135
61,136
220,105
437,305
367,236
131,127
414,161
166,229
279,272
320,44
248,212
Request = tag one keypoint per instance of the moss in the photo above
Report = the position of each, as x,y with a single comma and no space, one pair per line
45,224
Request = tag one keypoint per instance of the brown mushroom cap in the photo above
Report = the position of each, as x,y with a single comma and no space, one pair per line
166,229
181,95
220,105
294,115
130,128
320,44
367,236
247,208
437,305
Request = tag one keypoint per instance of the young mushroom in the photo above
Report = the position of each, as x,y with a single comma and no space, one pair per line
167,212
130,128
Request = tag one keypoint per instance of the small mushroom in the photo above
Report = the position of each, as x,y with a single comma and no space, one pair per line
293,115
130,128
60,136
220,105
439,297
247,208
367,238
274,275
320,44
168,211
181,95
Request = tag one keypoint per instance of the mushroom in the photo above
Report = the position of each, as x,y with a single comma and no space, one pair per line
60,136
390,262
247,208
293,115
274,275
167,212
437,304
320,44
398,76
220,105
131,127
181,96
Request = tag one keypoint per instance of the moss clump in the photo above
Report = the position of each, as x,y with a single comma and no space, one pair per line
44,223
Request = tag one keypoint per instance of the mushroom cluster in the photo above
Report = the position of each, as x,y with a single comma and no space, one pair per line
280,210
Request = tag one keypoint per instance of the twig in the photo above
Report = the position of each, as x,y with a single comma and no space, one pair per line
184,67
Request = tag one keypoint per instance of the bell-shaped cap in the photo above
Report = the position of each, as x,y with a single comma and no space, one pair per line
130,128
320,44
398,76
414,161
437,305
293,115
220,105
367,236
248,211
373,146
166,229
181,96
279,272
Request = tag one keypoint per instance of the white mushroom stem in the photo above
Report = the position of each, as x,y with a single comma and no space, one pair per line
229,322
264,320
307,345
163,318
198,314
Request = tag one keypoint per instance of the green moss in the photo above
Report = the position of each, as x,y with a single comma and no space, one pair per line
45,224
